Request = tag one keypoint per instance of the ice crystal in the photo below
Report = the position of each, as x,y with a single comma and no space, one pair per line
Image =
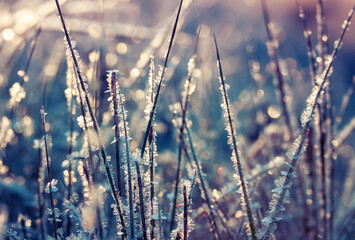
51,186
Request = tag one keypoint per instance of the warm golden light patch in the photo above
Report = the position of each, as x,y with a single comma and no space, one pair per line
111,59
134,73
121,48
238,214
8,34
273,111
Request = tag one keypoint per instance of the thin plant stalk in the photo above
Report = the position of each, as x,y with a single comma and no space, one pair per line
151,140
300,141
185,214
141,200
151,170
207,197
323,109
232,133
90,168
40,203
313,71
181,134
117,132
307,35
128,159
70,150
48,166
92,115
210,205
152,112
277,71
23,228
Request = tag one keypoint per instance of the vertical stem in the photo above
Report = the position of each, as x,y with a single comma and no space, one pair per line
278,76
114,91
70,149
151,169
141,200
40,203
181,135
238,163
92,115
91,162
185,214
48,166
152,112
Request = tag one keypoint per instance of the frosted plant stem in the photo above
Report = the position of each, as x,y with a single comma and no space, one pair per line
313,71
203,185
70,150
151,169
307,35
141,200
322,32
128,159
333,158
299,142
185,214
48,165
181,134
92,115
152,148
322,109
232,132
91,163
152,112
113,89
40,182
277,71
71,100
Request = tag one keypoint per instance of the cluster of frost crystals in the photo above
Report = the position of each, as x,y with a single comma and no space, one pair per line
150,89
177,121
70,91
189,87
113,89
12,234
6,132
233,143
73,210
311,101
179,230
17,93
51,215
149,160
51,186
299,146
280,194
81,169
75,71
153,82
117,100
275,206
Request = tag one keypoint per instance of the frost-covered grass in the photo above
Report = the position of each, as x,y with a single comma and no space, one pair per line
112,121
